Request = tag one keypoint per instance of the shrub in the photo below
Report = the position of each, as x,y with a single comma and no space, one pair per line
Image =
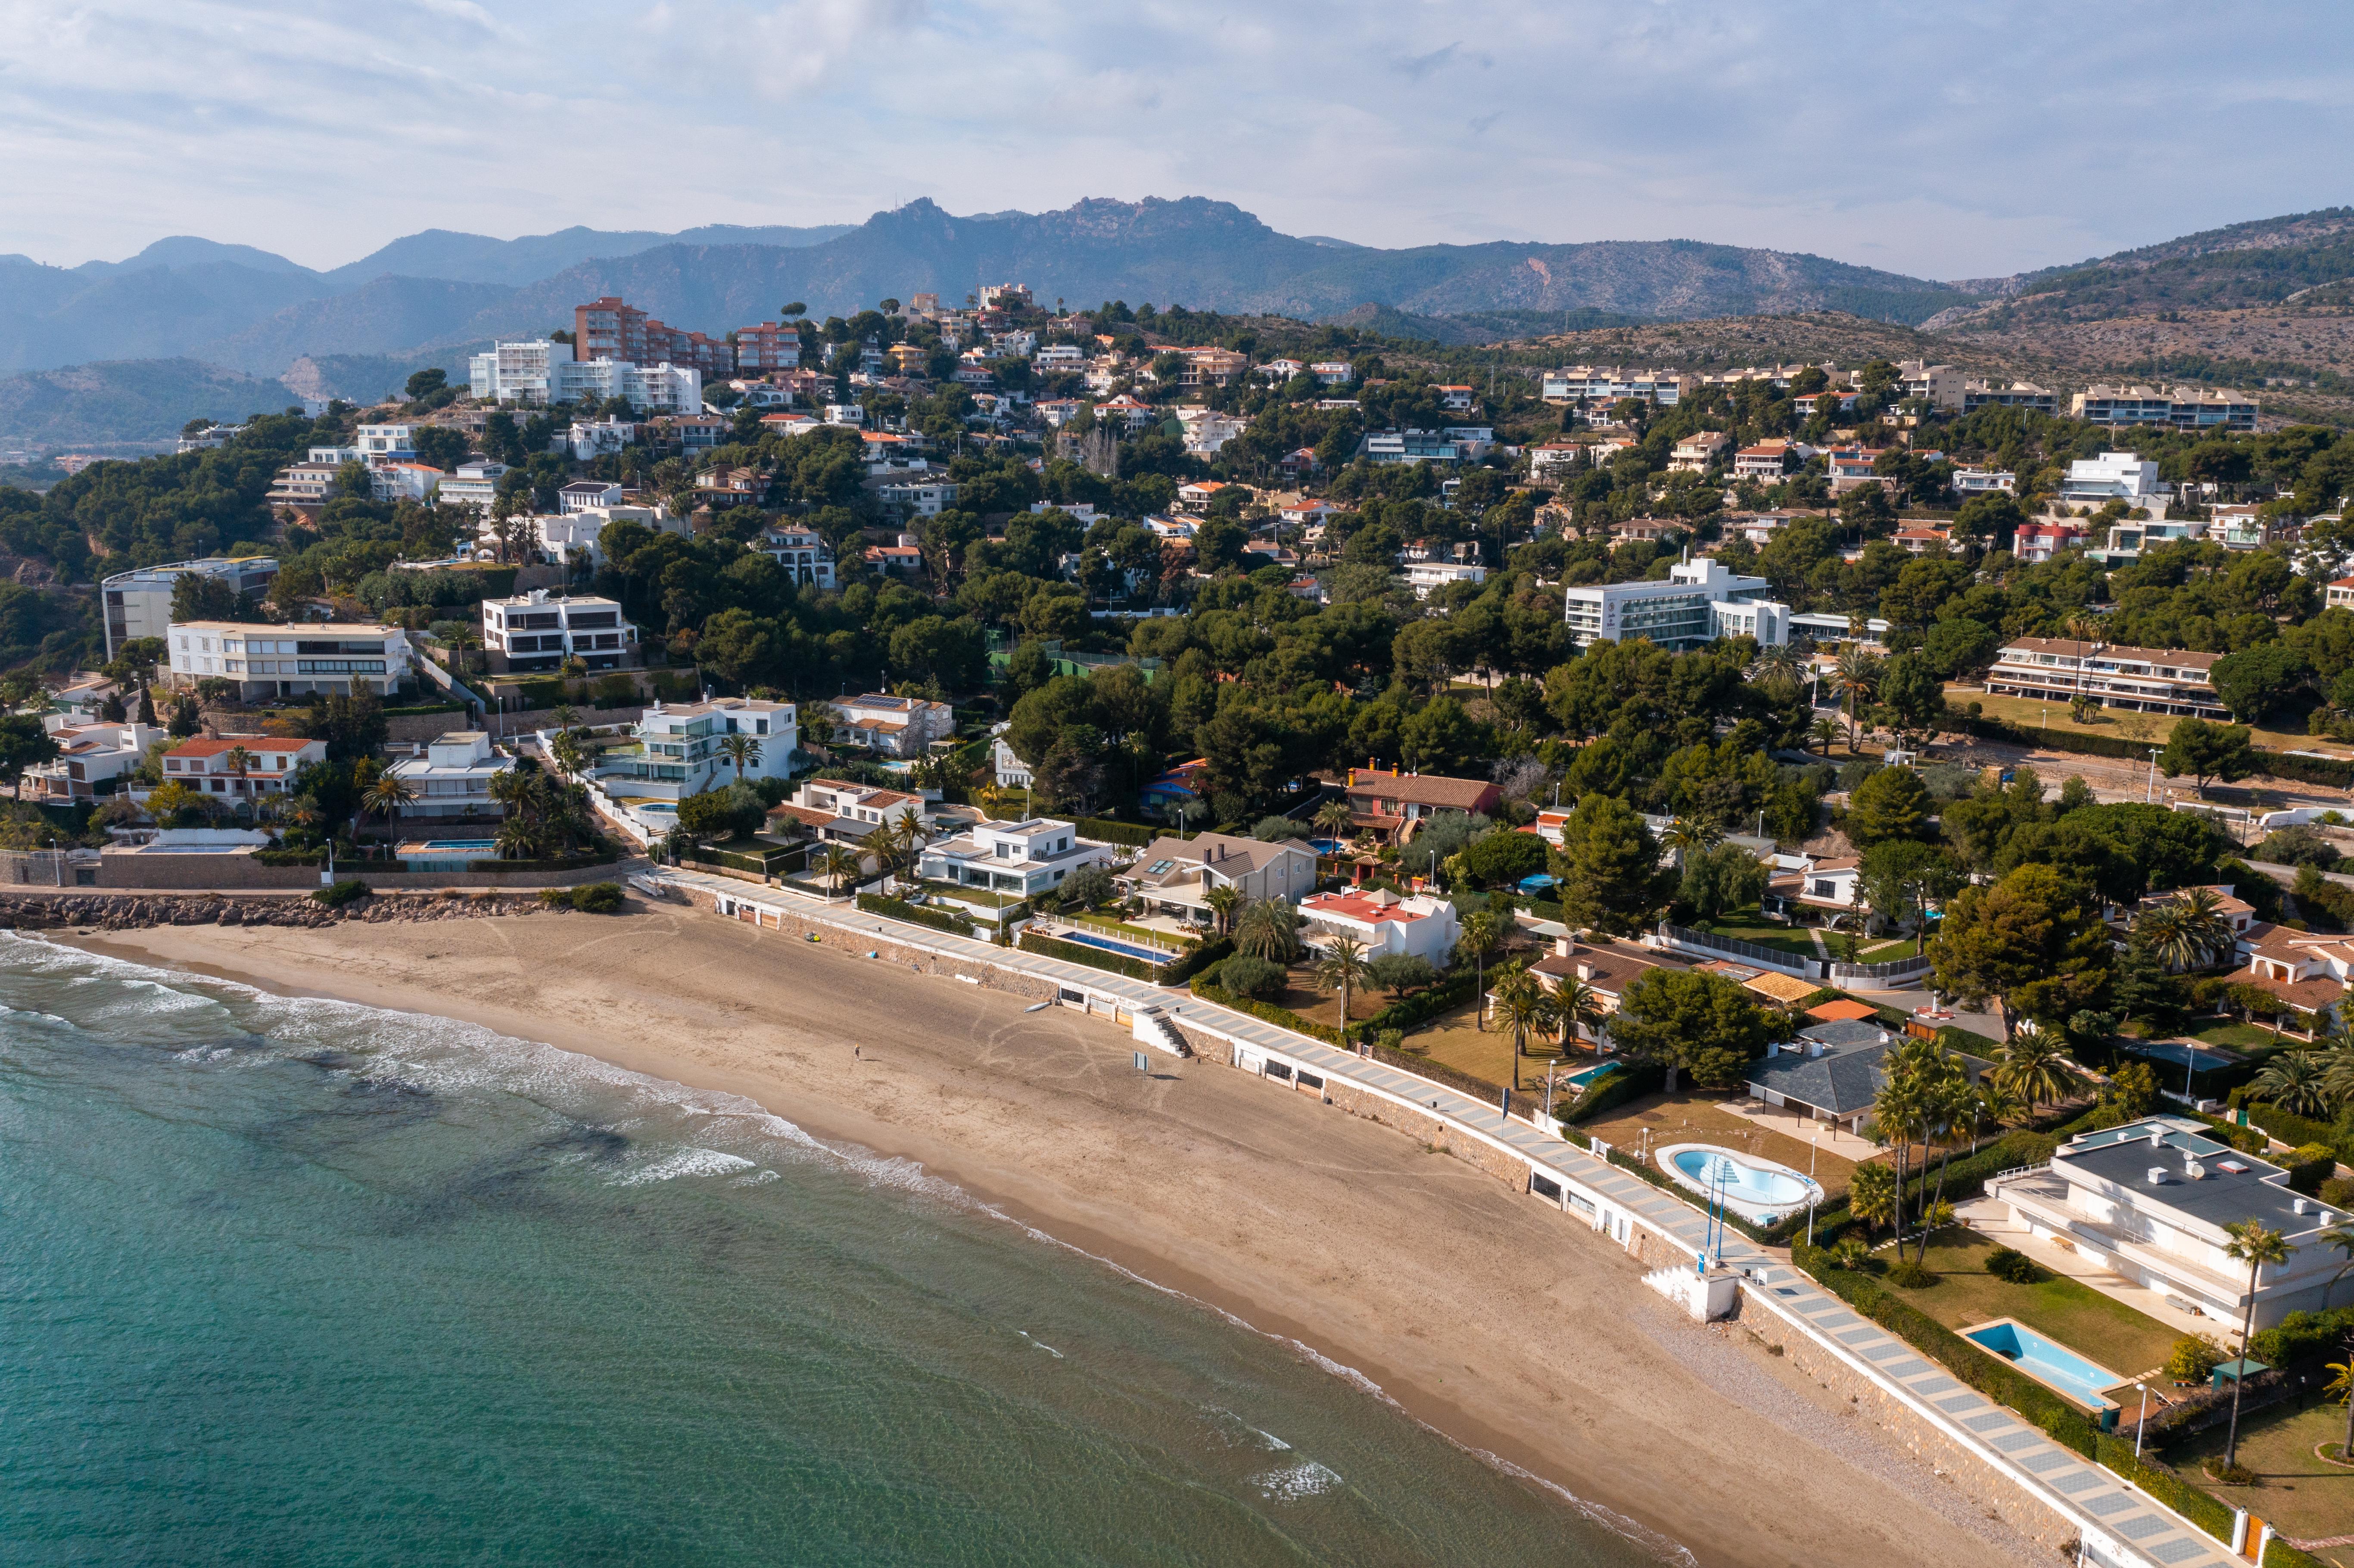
598,899
1911,1275
2233,1475
1398,973
1088,887
2195,1358
2015,1267
336,895
1390,1039
1852,1252
1247,976
2338,1193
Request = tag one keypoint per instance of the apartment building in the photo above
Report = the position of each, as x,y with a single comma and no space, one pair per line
1410,446
304,486
89,756
894,726
264,662
451,775
386,444
608,328
139,603
1977,394
1596,384
1015,858
473,484
1700,601
680,751
1940,386
240,767
2153,1201
1698,454
770,346
535,372
2144,679
537,630
2175,408
525,372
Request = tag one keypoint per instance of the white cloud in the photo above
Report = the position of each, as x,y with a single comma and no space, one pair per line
1964,142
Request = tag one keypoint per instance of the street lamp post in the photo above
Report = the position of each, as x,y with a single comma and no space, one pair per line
2143,1419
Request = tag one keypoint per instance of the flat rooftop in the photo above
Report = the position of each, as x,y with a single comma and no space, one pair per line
2235,1186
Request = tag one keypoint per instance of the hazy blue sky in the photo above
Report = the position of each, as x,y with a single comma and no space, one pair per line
1948,140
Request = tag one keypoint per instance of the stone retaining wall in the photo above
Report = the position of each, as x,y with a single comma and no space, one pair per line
244,873
1014,982
125,912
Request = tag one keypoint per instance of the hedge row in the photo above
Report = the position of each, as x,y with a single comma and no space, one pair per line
2161,1482
1106,831
2301,1335
1283,1017
1080,953
1991,1377
1421,1007
567,862
900,909
2297,1130
1194,959
1632,1080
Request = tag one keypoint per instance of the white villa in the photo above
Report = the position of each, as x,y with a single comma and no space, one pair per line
679,750
451,775
89,755
835,809
1420,927
1018,858
2149,1201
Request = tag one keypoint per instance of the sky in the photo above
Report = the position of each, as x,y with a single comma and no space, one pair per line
1958,141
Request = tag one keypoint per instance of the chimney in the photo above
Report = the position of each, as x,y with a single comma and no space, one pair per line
1813,1048
2158,1175
1562,946
1773,1048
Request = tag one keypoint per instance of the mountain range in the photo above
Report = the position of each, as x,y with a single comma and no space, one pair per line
226,312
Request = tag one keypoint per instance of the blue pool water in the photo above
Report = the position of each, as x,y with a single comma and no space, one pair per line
1739,1179
2183,1054
462,846
1539,882
1586,1077
2040,1358
1327,846
1125,949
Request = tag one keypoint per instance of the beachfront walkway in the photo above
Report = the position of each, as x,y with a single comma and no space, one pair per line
2072,1486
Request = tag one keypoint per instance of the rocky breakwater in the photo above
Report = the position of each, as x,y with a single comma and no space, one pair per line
123,912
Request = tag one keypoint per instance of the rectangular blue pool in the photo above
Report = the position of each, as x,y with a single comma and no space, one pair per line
1125,949
2182,1053
1586,1077
2053,1365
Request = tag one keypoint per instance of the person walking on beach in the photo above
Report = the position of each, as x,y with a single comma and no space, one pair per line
854,1056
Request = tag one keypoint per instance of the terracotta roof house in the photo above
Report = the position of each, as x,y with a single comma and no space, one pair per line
1175,876
1609,967
2308,970
1389,802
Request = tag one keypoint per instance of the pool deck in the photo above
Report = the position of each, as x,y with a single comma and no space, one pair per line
1990,1217
2097,1501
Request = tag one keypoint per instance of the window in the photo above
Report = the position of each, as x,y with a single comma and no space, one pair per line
1158,867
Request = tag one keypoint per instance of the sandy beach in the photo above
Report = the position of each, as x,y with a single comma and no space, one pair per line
1508,1327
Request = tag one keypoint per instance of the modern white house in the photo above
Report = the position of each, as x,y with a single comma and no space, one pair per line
2112,476
139,603
336,657
1175,877
1425,576
89,756
2149,1201
1827,885
1420,927
679,751
473,484
1017,858
834,809
807,558
451,775
538,632
1700,601
1010,771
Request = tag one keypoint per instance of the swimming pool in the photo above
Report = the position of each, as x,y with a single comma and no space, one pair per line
460,846
2182,1054
1125,949
1758,1190
2046,1362
1327,846
1586,1077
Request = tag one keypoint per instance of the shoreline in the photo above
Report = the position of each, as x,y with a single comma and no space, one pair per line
1381,1300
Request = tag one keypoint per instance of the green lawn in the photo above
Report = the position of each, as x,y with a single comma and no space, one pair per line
2071,1313
1748,926
2238,1036
2304,1497
979,897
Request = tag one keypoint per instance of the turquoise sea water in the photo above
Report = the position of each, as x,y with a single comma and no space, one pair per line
288,1281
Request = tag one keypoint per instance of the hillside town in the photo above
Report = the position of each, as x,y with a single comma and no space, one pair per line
1926,791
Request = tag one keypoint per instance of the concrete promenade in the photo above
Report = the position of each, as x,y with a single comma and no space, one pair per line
2118,1523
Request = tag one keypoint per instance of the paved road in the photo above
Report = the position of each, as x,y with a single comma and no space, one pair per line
2072,1486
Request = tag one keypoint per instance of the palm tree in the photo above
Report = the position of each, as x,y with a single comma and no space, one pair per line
520,838
565,716
2341,1236
1481,931
390,794
2164,933
1268,928
909,837
1222,902
240,764
836,865
2003,1105
1823,731
1343,968
2294,1082
1686,834
2254,1244
740,749
1524,1004
2032,1068
566,753
1580,1006
1900,1116
2337,1062
1855,676
1332,817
